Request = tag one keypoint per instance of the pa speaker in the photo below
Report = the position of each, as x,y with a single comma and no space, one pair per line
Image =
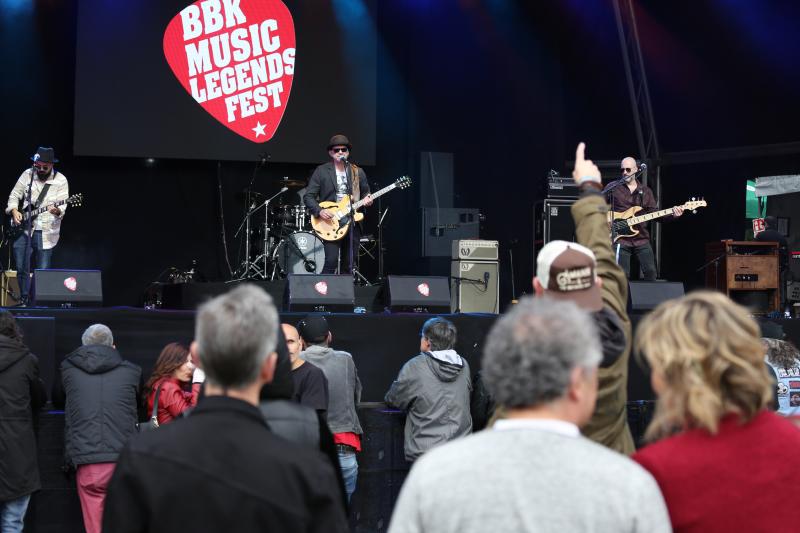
646,295
68,288
419,294
320,292
474,286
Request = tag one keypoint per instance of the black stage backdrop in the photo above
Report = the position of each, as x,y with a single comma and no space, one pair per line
508,87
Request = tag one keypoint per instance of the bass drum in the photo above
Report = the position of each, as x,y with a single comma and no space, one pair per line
300,253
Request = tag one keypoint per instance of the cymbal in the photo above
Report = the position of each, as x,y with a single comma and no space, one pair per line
286,182
254,196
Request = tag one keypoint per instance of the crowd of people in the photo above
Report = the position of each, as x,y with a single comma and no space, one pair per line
254,425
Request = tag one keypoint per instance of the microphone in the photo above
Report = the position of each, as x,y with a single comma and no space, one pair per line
311,266
284,190
642,167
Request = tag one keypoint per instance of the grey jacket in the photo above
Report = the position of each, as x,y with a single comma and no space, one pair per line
434,387
344,387
100,394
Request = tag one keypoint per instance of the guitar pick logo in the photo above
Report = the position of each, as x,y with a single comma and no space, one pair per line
236,58
321,288
423,289
71,284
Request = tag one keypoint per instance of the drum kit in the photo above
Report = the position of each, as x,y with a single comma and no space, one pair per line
282,242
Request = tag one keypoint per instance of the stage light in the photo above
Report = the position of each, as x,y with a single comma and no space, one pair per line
16,7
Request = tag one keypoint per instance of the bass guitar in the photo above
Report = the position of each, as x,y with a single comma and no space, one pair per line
14,230
622,224
344,213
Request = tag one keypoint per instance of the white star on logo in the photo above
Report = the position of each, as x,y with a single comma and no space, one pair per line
259,129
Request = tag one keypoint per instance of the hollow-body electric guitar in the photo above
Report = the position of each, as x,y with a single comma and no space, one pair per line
344,212
14,230
622,224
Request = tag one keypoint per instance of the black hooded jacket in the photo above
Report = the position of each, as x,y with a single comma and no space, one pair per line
100,396
21,394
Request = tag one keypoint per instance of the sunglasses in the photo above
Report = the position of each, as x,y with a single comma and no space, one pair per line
342,150
626,169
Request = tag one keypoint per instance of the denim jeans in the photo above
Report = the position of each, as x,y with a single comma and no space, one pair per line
349,467
43,258
12,514
647,260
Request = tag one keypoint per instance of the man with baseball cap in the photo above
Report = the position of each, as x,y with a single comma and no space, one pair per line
588,275
41,185
333,181
344,393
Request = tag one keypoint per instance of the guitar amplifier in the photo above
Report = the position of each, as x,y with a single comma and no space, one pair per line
560,187
475,250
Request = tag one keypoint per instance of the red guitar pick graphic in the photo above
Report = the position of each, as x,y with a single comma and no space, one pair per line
71,284
321,288
236,59
424,289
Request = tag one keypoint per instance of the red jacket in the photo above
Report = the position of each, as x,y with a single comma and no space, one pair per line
173,399
733,481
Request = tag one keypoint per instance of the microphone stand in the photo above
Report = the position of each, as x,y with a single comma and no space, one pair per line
29,234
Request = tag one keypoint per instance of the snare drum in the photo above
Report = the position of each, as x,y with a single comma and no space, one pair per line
301,252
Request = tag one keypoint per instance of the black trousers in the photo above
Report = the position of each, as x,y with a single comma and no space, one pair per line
333,250
647,260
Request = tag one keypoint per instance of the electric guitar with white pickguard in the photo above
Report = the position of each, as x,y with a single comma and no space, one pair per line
622,224
344,213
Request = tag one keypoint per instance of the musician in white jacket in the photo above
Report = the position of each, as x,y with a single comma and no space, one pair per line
42,186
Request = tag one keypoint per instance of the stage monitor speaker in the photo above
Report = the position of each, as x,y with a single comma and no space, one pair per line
418,294
68,288
474,287
9,289
646,295
320,292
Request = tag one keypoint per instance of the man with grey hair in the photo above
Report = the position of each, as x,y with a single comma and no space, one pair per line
99,392
221,468
533,471
434,388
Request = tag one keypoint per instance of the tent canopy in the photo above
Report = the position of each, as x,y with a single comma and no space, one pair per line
775,185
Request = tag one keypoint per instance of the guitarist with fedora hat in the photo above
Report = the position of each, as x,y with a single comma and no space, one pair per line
37,186
332,181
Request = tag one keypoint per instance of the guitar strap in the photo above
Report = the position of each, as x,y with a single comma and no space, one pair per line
356,183
42,194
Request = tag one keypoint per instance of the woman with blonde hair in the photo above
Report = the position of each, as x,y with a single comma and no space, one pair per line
720,454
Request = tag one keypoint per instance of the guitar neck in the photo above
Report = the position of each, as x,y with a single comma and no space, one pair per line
649,216
40,210
375,195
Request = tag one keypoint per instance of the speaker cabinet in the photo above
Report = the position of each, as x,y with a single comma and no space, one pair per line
68,288
474,287
646,295
9,285
320,292
419,294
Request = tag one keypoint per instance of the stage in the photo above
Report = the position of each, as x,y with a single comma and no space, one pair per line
379,342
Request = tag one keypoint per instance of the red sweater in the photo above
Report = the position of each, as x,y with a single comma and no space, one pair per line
737,480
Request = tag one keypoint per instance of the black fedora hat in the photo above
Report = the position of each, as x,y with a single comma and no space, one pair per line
339,140
46,155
